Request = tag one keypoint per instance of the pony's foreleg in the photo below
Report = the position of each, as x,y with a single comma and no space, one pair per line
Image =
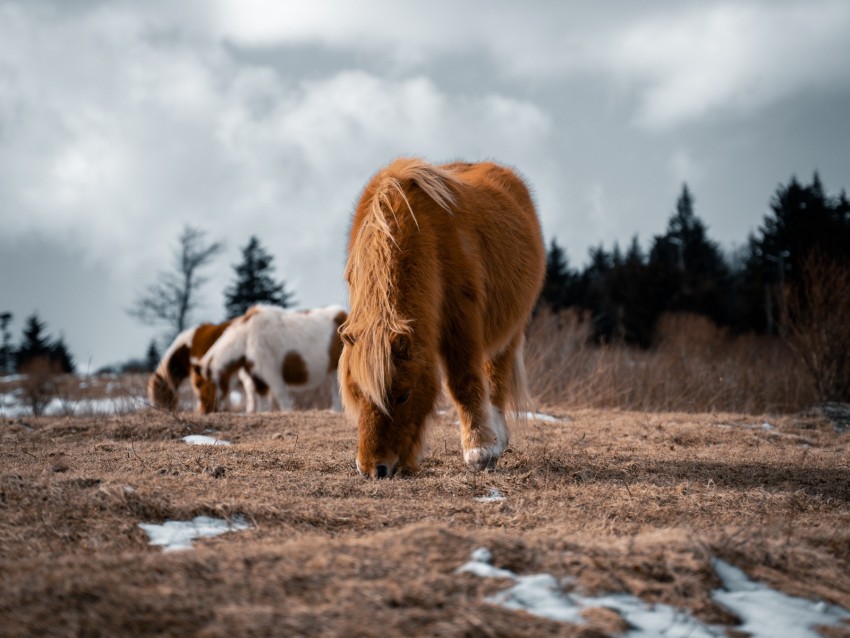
483,429
279,392
336,402
250,391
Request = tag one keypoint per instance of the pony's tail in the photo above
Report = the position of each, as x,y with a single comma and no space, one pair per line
161,393
519,396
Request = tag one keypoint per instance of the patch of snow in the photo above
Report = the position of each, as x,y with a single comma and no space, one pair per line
764,611
539,416
767,426
493,496
202,439
178,535
12,406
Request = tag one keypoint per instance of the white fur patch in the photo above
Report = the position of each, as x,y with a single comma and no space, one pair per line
486,456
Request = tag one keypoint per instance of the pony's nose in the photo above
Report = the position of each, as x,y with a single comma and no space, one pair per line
382,470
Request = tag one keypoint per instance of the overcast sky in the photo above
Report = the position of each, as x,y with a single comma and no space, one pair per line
121,122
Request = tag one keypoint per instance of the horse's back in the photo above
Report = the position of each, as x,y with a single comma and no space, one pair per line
500,241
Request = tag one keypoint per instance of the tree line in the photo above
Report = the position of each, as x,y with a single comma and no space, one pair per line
625,291
169,303
622,291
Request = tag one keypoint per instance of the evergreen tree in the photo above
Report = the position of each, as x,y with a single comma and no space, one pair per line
557,287
687,268
61,357
7,354
803,221
34,343
254,282
152,356
37,345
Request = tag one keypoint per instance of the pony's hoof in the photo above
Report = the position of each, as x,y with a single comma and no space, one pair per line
481,458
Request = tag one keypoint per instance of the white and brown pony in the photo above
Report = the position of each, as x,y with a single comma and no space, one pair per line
280,350
444,266
176,364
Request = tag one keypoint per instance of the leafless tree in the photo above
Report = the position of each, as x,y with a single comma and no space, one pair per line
172,298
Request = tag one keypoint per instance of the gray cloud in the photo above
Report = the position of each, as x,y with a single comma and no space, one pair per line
120,122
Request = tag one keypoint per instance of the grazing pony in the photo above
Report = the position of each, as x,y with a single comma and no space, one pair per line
444,266
175,365
280,350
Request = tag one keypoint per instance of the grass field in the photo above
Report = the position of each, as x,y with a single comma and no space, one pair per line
603,501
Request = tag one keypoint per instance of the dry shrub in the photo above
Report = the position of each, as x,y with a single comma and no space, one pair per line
695,366
40,382
817,324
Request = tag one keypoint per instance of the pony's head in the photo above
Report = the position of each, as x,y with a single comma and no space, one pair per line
206,390
391,407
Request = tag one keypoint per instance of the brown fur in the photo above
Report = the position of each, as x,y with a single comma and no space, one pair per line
249,313
205,336
294,369
444,266
206,390
261,386
335,347
161,393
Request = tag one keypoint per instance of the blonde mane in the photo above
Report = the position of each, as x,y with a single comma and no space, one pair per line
374,319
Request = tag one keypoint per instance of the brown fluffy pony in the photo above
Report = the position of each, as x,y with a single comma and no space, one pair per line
444,266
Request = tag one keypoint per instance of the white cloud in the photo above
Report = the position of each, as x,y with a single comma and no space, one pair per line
153,133
729,58
679,62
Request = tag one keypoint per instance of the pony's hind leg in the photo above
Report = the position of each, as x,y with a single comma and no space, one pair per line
484,432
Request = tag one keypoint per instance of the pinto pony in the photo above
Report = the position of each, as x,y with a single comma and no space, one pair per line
280,350
175,365
444,266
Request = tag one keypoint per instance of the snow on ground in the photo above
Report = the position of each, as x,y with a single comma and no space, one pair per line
202,439
765,612
493,496
11,406
178,535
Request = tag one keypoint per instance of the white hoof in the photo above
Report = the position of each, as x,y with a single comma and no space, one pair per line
485,456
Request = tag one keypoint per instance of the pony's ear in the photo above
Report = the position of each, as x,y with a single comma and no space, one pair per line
346,337
401,346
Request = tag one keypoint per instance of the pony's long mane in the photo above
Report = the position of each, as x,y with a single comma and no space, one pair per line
374,319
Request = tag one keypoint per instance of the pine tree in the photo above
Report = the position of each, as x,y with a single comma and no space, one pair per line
687,267
7,355
61,357
254,283
558,281
34,344
804,221
152,356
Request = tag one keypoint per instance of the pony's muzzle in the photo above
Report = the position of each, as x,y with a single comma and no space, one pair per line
379,471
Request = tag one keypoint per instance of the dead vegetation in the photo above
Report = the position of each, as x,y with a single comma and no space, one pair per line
603,500
695,367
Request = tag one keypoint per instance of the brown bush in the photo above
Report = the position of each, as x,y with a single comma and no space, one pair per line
695,366
817,325
39,385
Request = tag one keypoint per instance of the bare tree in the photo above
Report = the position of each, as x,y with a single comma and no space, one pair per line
172,298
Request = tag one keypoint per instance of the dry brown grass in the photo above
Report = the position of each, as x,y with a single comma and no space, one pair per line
616,500
695,367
